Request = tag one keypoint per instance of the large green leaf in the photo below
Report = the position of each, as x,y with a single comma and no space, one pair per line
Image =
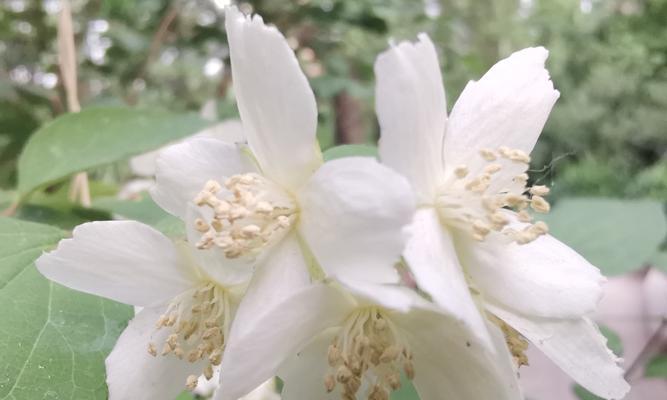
97,136
615,235
53,340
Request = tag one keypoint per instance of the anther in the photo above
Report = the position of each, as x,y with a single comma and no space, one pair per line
488,154
540,205
191,382
329,383
492,168
539,190
151,349
461,171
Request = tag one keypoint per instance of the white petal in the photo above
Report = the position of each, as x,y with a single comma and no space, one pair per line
431,256
353,211
276,103
304,372
577,347
183,169
132,373
412,110
279,273
508,106
450,363
542,278
124,261
279,331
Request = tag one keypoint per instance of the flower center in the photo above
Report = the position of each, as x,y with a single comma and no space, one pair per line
477,205
198,320
368,346
516,343
248,215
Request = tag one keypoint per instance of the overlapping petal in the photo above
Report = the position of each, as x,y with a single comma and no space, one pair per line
183,169
276,334
132,373
352,214
450,362
124,261
542,278
431,256
412,111
577,347
276,103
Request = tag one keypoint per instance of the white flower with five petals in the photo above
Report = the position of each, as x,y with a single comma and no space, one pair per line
472,231
274,205
188,301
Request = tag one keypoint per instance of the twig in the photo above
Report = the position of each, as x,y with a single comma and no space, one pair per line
79,188
156,43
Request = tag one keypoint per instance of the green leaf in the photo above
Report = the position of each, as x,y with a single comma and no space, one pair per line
584,394
97,136
657,367
143,210
617,236
54,340
350,150
613,340
659,260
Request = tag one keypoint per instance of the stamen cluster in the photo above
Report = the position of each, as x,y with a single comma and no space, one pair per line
468,202
198,320
516,343
253,212
368,346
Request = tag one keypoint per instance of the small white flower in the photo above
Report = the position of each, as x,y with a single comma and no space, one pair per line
469,174
331,341
188,301
274,204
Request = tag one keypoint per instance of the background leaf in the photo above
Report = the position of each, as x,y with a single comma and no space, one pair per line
617,236
350,150
53,340
97,136
657,367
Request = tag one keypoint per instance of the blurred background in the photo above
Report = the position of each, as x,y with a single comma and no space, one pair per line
603,150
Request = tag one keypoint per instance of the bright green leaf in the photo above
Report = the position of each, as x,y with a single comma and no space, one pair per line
54,340
657,367
97,136
617,236
350,150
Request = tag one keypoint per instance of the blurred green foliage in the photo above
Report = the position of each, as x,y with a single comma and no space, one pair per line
607,135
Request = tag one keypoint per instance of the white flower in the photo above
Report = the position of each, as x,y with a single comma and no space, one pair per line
188,301
330,341
469,174
273,203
